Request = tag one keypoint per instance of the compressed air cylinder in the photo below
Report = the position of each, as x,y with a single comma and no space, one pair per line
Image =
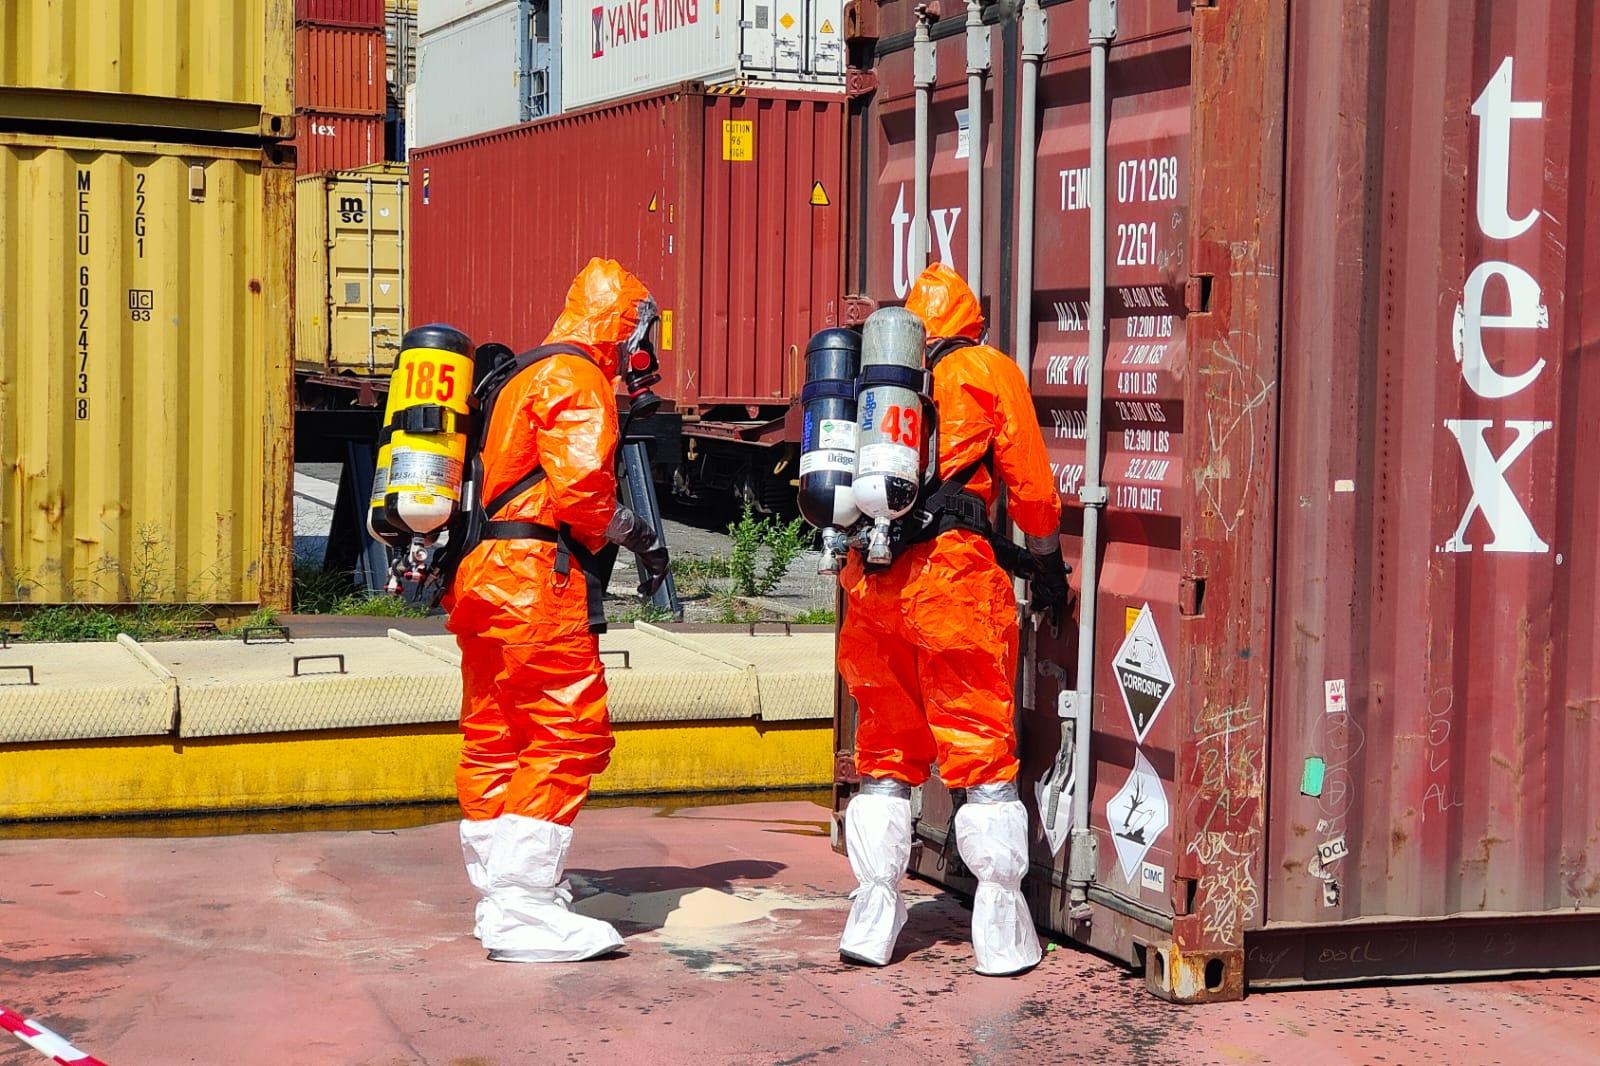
828,429
890,438
421,459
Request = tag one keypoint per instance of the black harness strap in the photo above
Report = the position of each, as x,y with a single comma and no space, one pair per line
595,566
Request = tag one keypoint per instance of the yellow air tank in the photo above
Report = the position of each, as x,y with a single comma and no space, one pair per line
423,448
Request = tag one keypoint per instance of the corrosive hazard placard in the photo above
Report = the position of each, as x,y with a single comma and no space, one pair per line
1144,676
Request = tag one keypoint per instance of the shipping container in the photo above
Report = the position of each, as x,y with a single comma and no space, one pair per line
436,14
360,14
225,67
350,269
144,373
726,206
337,142
1345,650
339,70
400,39
621,47
494,67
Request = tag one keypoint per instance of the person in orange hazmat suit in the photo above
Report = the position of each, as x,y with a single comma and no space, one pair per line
533,714
928,648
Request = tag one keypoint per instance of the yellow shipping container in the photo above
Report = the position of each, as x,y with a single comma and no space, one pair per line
214,65
350,269
145,379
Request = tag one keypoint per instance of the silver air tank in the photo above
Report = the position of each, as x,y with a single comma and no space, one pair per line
828,440
892,430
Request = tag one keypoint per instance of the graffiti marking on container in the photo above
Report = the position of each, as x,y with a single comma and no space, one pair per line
1144,676
1138,815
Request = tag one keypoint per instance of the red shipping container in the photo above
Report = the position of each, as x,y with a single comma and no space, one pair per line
365,14
728,207
1346,654
339,71
336,142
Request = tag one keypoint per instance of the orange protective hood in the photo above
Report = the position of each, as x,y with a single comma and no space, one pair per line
945,303
603,309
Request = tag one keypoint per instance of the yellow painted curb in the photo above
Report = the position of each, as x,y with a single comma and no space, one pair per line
394,764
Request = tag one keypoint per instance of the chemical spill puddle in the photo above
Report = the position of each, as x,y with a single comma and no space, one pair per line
711,931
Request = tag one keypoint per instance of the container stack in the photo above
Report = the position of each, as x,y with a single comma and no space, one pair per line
145,285
341,84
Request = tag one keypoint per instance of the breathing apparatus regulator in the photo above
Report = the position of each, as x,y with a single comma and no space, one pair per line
427,500
869,469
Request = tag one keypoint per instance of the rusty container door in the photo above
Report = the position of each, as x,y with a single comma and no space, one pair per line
1434,748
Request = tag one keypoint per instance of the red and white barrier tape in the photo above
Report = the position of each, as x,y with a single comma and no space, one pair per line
44,1041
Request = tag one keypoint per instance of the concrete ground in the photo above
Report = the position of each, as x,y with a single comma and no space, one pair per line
354,947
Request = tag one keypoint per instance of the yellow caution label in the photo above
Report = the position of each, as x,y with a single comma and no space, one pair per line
1130,615
738,140
652,207
666,329
819,195
827,26
786,21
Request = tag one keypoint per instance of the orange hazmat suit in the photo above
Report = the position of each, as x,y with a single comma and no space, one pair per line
928,647
533,711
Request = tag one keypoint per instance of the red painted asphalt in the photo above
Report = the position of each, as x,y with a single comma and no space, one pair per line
355,947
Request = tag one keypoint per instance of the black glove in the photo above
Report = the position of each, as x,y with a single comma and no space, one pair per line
1047,585
628,530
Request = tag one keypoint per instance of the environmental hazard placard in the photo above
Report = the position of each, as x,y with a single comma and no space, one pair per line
1144,677
1137,815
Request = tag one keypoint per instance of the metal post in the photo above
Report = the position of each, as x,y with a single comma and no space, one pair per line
977,67
372,325
922,65
1081,862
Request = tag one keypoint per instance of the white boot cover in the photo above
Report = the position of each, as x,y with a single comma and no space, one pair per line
877,835
530,918
475,840
993,840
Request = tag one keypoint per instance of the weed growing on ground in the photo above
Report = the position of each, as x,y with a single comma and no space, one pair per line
731,610
638,611
815,616
753,536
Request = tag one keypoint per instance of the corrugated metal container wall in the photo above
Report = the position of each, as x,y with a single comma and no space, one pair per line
339,70
350,269
216,66
488,70
337,142
621,47
717,219
1440,386
144,396
1428,674
365,14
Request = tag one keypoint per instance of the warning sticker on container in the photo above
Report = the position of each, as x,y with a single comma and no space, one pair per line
738,140
1137,815
1143,674
817,462
836,433
412,471
895,460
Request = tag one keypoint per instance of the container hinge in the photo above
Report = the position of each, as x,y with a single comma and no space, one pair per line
858,83
861,22
1197,294
1191,596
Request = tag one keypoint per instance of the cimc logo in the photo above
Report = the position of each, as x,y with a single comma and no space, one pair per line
1517,294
